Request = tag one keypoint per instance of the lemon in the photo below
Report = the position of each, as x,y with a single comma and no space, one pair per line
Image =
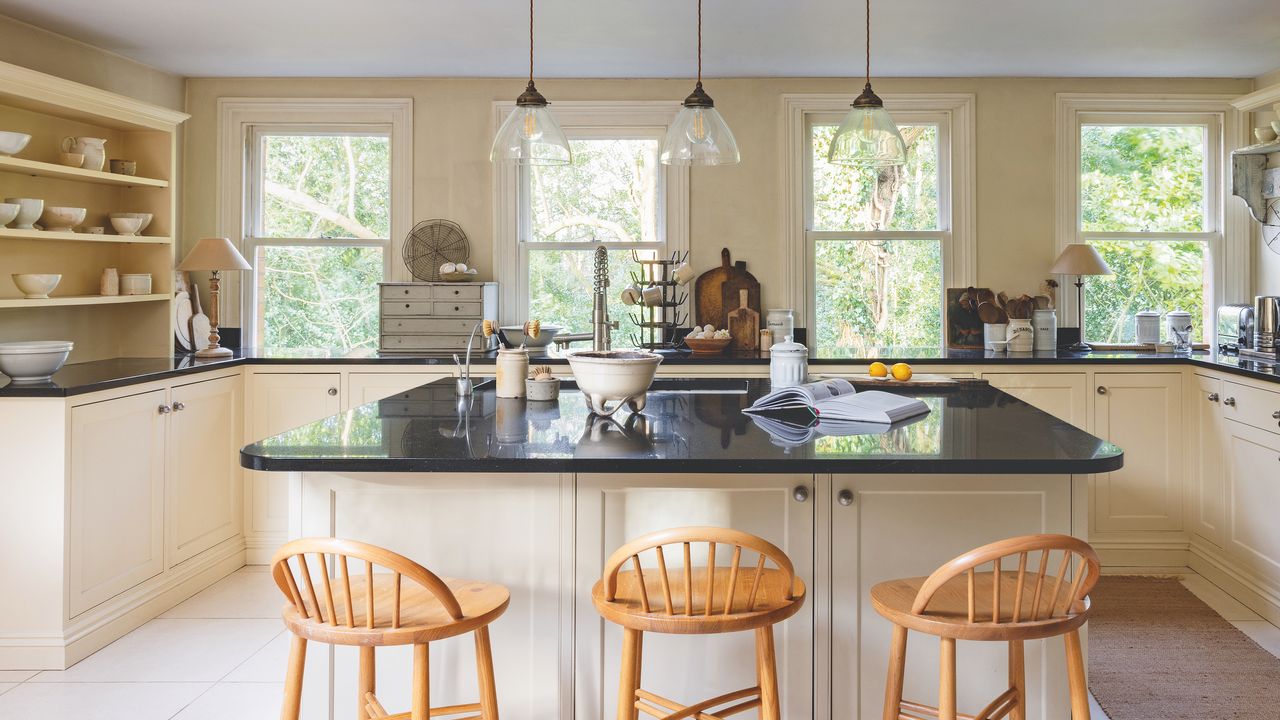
878,370
901,371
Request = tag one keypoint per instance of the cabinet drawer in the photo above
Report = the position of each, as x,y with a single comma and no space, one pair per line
456,292
406,292
406,307
463,309
428,326
1251,406
412,343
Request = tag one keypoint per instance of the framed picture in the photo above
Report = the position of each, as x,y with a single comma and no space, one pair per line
964,327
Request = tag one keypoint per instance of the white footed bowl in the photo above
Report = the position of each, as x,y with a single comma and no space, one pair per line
515,335
144,218
12,143
607,375
35,286
61,219
33,362
29,210
126,225
8,211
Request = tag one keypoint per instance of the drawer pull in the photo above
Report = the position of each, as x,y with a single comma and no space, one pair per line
163,409
457,292
1275,415
457,309
333,391
800,493
1213,397
1102,390
1229,402
845,497
178,406
406,291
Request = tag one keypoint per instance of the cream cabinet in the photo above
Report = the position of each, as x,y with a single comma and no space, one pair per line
205,480
1252,538
1205,433
116,504
1063,395
612,509
371,387
1142,413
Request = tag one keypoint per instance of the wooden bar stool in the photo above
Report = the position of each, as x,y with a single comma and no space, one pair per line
958,603
698,601
409,605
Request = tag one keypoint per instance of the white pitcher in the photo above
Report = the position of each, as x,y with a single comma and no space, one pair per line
95,154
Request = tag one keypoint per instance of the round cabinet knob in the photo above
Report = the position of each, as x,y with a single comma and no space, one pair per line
406,305
333,391
1229,402
179,406
1213,397
845,497
1275,415
1102,390
800,493
457,292
163,409
406,291
456,308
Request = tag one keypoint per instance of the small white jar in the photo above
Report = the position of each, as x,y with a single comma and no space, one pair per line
993,333
1180,330
1148,327
1045,323
135,284
513,370
1021,335
782,322
788,364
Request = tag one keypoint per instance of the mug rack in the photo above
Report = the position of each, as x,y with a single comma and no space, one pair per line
657,323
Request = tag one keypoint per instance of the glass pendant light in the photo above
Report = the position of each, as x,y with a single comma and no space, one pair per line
699,136
868,137
530,135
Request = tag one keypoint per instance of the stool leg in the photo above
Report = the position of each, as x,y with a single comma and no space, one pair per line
632,647
367,682
767,670
1018,679
947,681
484,671
421,707
293,679
897,669
1075,677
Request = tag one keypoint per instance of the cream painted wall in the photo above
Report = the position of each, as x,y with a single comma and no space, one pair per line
737,206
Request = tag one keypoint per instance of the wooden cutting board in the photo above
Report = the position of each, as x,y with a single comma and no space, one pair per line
739,280
744,324
708,293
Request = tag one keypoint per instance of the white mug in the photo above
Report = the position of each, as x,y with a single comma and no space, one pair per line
683,274
630,295
652,296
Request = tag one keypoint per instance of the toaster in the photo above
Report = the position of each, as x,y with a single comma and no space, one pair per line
1235,328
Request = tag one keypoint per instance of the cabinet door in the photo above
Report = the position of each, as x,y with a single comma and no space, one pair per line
280,402
1253,494
613,509
1142,413
371,387
895,526
205,482
116,529
1063,395
1205,430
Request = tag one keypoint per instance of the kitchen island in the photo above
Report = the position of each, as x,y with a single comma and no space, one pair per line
535,495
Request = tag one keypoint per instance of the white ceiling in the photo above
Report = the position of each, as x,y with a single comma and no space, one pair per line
654,38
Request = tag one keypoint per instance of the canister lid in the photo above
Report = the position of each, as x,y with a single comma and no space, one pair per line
789,347
1147,313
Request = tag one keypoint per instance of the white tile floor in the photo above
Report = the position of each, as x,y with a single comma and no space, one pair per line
220,656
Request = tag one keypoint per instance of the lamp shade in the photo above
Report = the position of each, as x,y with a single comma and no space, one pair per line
214,254
868,138
699,136
531,136
1080,259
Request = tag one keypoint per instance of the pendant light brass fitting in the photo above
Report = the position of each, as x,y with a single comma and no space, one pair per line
698,98
868,99
532,98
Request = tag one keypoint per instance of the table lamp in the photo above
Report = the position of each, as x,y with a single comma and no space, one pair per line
216,255
1080,259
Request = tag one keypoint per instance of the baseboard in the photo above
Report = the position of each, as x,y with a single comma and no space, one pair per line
1252,591
259,548
1170,555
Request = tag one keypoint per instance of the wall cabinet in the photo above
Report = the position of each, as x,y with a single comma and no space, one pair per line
1142,413
205,480
1205,430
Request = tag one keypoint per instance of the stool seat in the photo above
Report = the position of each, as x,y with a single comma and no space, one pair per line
423,618
948,611
771,605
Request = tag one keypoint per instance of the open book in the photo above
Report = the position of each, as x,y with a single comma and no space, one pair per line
787,434
836,400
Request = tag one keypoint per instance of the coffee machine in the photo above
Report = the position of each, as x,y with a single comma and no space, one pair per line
1266,324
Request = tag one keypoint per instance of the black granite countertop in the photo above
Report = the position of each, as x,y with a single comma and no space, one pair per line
81,378
688,426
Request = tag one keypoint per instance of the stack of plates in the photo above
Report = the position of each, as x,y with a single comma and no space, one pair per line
33,361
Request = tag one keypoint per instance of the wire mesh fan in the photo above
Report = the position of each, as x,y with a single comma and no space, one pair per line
432,243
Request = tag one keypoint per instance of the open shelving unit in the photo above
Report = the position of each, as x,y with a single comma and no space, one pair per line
50,109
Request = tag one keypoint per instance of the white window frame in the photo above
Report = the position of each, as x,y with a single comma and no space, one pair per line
241,124
953,113
511,222
1226,236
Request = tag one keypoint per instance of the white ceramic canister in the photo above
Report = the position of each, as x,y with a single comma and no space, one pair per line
513,369
993,333
110,282
1045,324
782,322
135,284
788,364
1147,331
1020,335
1180,330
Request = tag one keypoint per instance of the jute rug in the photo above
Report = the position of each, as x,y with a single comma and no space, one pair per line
1156,652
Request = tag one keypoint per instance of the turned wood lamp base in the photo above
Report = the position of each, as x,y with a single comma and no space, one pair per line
215,349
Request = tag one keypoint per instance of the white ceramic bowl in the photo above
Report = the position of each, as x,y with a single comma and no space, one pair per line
515,335
135,284
126,225
28,212
8,211
36,286
12,143
61,219
145,218
607,375
33,362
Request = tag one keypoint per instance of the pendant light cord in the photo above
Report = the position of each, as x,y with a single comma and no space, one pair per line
868,42
531,41
699,43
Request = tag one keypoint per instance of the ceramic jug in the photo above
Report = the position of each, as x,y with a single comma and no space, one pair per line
95,154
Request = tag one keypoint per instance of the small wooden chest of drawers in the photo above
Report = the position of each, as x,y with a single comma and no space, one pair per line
433,316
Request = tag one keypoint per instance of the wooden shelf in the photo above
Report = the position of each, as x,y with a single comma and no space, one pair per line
83,237
52,170
81,300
